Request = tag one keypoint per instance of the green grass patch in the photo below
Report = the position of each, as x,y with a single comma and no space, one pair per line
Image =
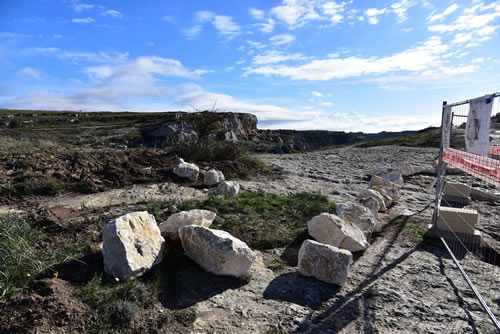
31,186
22,260
415,231
116,302
264,220
425,139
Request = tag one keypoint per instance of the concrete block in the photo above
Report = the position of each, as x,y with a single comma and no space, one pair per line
456,190
458,220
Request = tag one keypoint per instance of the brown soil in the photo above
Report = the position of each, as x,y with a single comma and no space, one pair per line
47,306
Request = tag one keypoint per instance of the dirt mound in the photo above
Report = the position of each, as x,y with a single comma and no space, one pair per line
47,306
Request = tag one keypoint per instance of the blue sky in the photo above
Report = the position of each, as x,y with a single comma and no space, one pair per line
296,64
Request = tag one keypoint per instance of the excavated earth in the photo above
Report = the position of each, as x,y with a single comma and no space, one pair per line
402,283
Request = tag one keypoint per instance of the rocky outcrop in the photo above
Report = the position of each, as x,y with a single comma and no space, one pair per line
216,251
360,215
230,188
186,170
333,230
131,245
324,262
213,177
170,228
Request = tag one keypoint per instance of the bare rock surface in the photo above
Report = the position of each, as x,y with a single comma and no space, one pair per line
170,228
132,244
333,230
324,262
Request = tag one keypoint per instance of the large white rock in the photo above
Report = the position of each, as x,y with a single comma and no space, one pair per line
170,227
378,181
387,199
361,216
335,231
213,177
324,262
131,245
216,251
228,188
395,178
186,170
372,200
403,168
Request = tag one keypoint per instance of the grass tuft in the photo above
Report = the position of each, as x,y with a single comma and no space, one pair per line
264,220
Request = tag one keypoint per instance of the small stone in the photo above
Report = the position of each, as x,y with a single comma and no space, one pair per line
324,262
372,200
145,171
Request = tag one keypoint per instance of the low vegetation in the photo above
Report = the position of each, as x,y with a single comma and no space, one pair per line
23,259
264,220
115,302
421,139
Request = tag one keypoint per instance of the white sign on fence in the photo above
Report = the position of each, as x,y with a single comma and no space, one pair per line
477,133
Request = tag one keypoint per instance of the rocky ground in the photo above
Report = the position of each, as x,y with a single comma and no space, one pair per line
403,283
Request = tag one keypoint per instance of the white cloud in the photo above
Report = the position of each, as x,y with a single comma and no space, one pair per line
224,25
282,39
92,57
417,58
372,14
273,57
112,13
80,7
477,60
446,12
326,104
85,20
168,18
257,13
29,71
266,26
297,13
57,36
317,94
471,19
400,8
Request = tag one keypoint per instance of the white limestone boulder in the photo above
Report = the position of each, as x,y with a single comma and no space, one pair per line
372,200
395,178
387,199
213,177
216,251
231,188
361,216
324,262
170,227
335,231
131,245
186,170
379,181
403,168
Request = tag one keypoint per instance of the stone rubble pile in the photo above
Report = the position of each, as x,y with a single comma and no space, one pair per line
350,229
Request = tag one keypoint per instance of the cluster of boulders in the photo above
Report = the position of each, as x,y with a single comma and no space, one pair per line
134,243
210,178
350,229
